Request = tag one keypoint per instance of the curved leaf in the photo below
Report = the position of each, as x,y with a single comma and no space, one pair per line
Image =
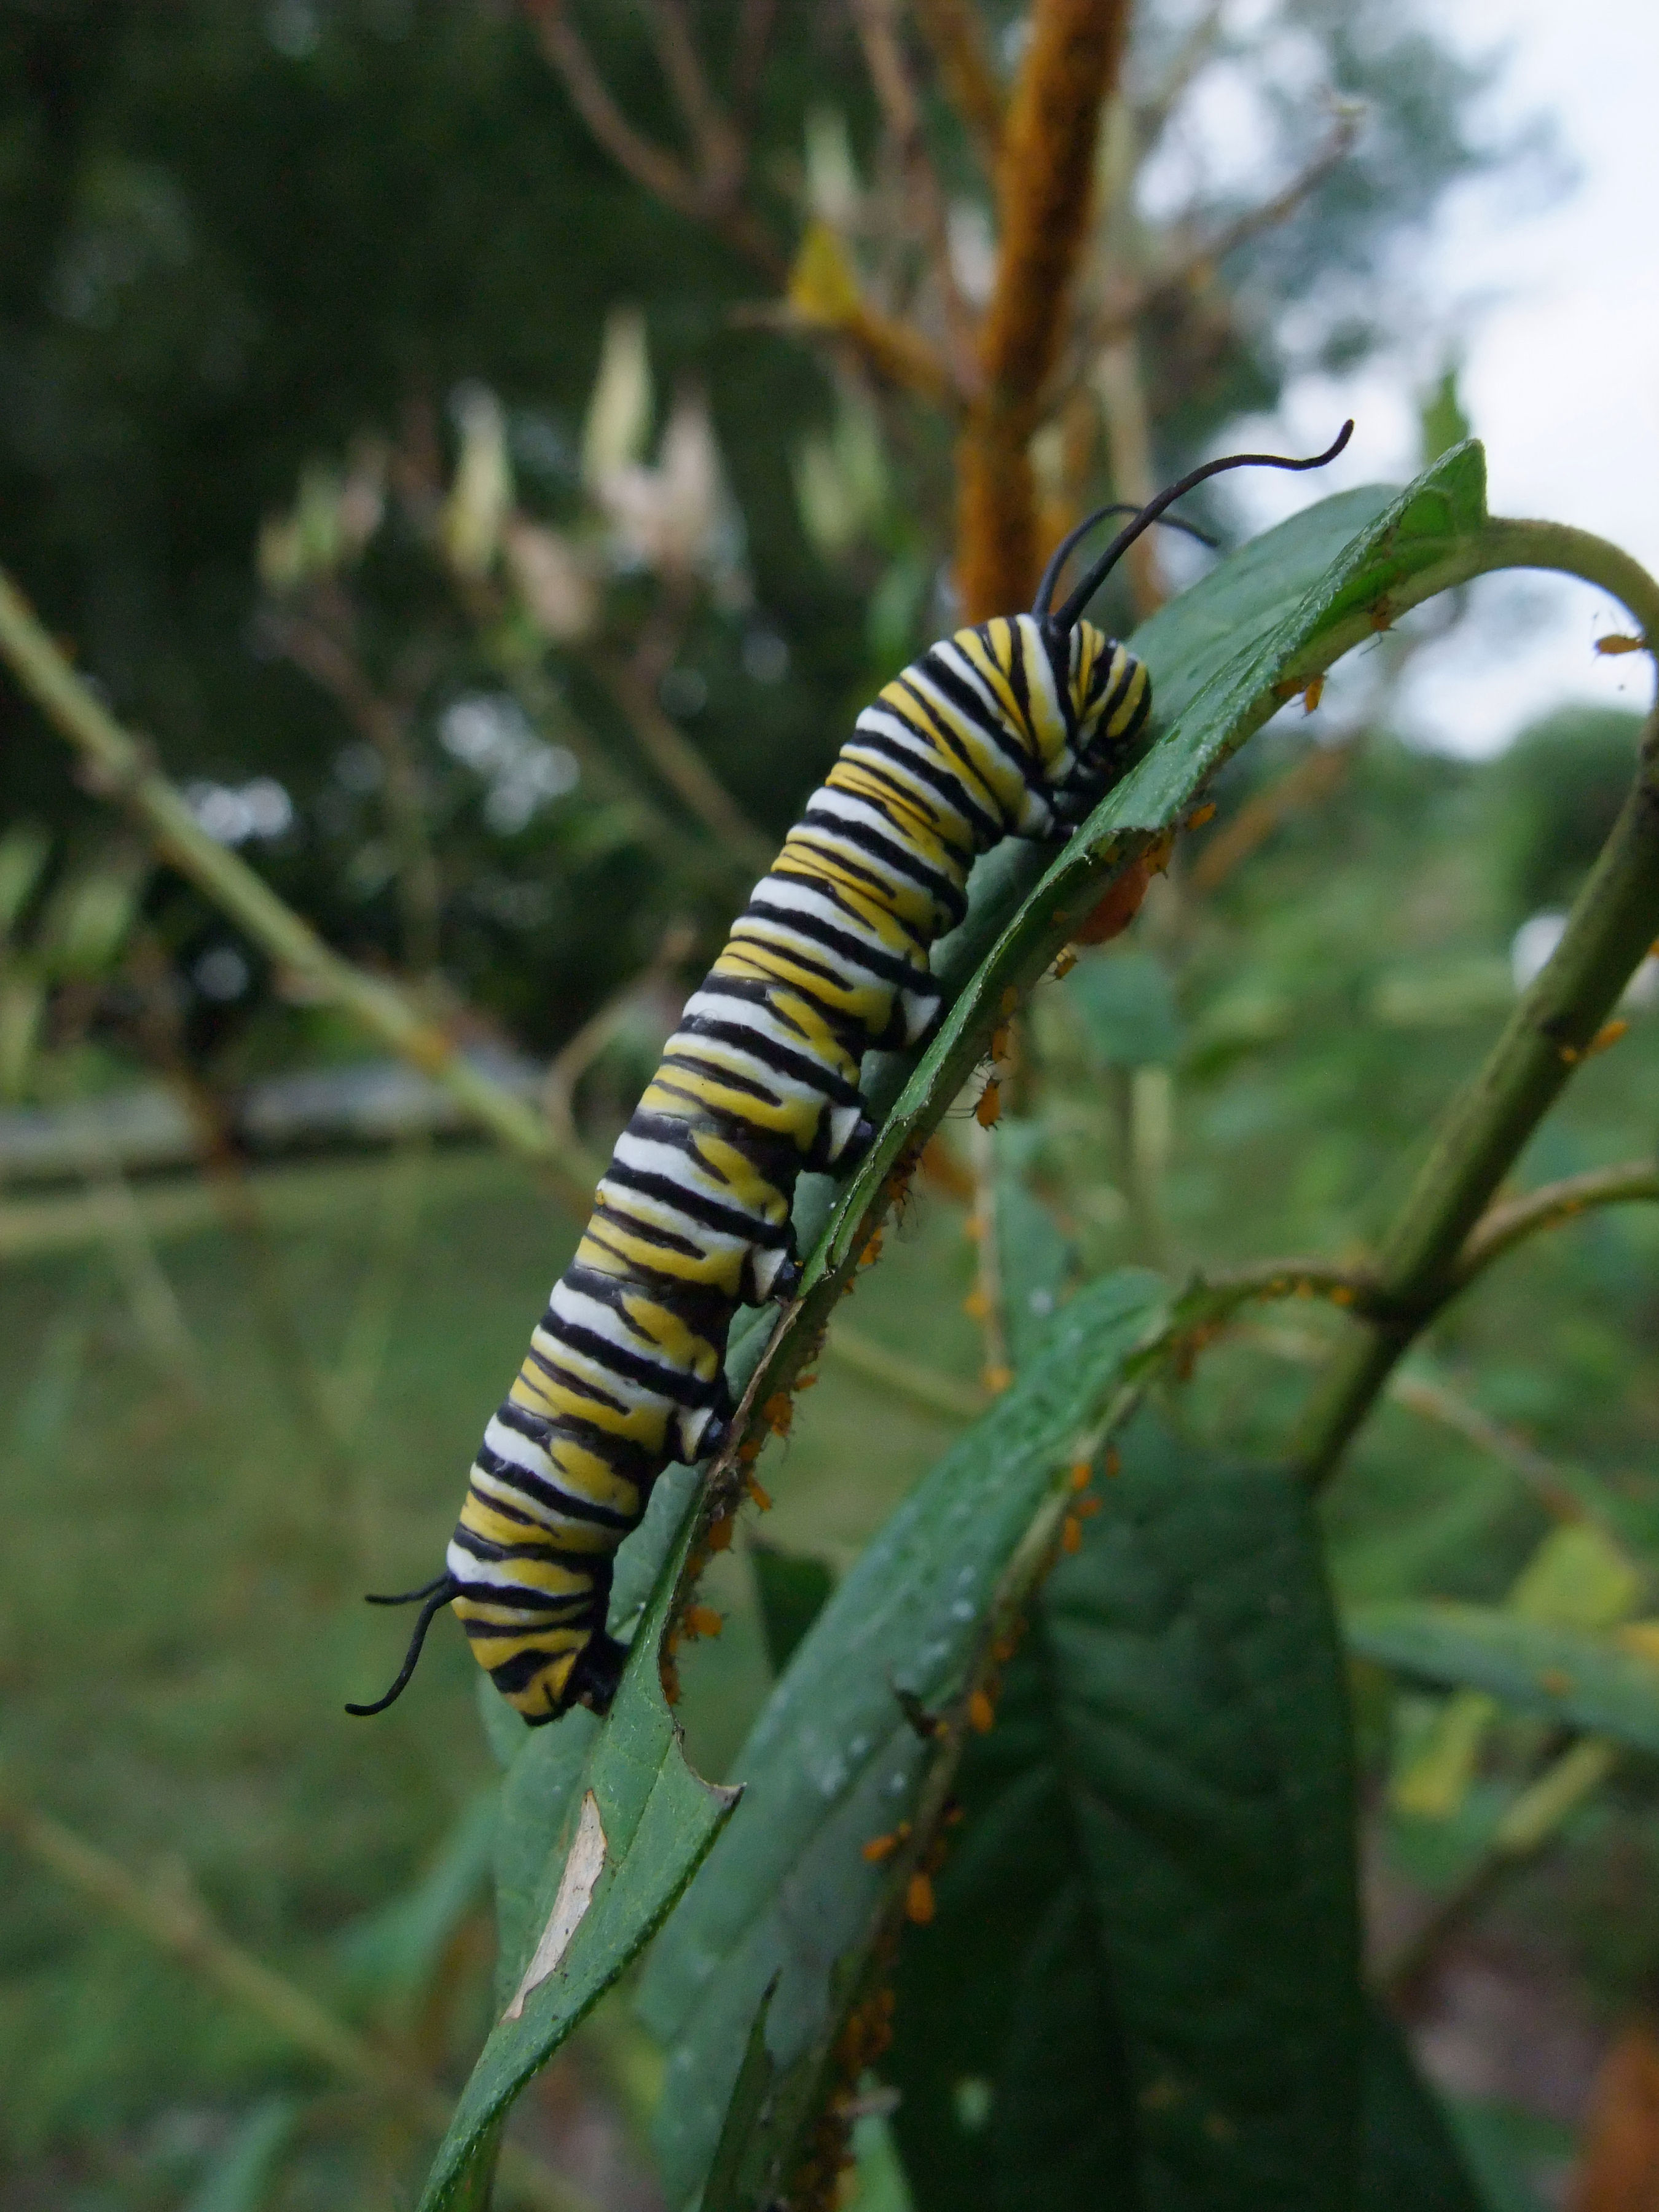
1142,1985
836,1760
604,1889
1578,1679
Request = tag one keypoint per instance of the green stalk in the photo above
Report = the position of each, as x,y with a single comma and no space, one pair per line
120,769
1612,924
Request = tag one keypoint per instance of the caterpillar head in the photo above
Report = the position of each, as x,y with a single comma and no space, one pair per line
1108,691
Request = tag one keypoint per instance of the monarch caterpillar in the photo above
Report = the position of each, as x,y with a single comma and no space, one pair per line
1014,727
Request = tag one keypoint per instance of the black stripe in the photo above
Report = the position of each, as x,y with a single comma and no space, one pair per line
712,1072
545,1553
775,1157
986,829
626,1459
578,1386
708,1212
699,1307
569,1503
964,694
777,1057
1019,680
892,854
910,812
569,1612
703,1307
750,991
1117,695
808,853
1058,647
664,1382
517,1674
885,966
648,1232
945,742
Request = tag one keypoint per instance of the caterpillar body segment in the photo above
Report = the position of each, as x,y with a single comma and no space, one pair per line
998,731
1014,727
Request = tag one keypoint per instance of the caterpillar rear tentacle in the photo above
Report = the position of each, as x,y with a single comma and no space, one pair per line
1014,727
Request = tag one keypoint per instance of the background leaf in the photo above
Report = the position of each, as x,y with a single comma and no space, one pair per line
1579,1680
1141,1984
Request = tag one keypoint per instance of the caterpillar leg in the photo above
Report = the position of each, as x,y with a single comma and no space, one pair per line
598,1671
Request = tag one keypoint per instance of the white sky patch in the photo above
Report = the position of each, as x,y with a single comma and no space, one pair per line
1555,313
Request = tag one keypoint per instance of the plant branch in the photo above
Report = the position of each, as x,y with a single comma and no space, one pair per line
953,31
1199,263
1503,1227
1523,1830
312,646
119,767
175,1920
709,195
1044,181
1565,1492
1612,923
924,1386
883,56
1194,49
684,768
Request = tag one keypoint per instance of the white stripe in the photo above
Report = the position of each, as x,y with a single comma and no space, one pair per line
650,1156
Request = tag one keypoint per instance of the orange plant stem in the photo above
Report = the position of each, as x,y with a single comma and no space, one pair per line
1044,184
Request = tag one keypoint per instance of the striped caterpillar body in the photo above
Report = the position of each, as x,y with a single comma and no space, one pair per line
1014,727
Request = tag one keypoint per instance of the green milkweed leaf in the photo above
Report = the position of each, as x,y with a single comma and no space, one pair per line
1577,1679
631,1831
1409,2155
1218,657
1146,1951
836,1760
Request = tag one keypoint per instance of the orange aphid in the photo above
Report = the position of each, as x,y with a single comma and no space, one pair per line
1009,1000
999,1043
996,1379
1114,1460
981,1713
1082,1475
778,1412
1205,813
919,1900
720,1535
976,1305
1064,961
1619,642
988,1112
1071,1533
703,1620
1087,1507
761,1498
1313,695
882,1848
